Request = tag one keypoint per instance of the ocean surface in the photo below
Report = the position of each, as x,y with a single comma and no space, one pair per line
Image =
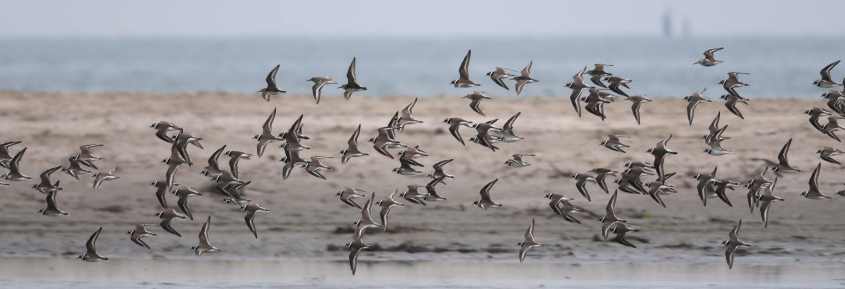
780,67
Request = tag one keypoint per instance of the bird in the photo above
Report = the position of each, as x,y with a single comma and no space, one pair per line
499,75
5,154
766,199
610,220
732,243
355,247
598,72
507,133
485,201
782,165
720,188
636,102
14,173
266,137
614,143
103,176
431,190
595,102
732,82
660,151
138,232
827,154
463,73
616,83
46,185
184,193
203,246
90,254
438,170
366,220
577,84
518,160
455,124
528,243
213,169
816,114
385,205
88,152
524,78
814,193
414,196
621,229
581,184
52,209
601,177
234,159
710,57
250,209
475,101
76,167
406,115
826,81
351,85
163,130
352,150
692,102
316,165
272,88
486,134
166,215
561,206
730,103
348,196
319,83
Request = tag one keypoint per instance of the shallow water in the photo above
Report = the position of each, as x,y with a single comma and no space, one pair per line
420,66
29,273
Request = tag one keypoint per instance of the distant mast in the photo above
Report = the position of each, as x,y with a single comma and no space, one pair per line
667,23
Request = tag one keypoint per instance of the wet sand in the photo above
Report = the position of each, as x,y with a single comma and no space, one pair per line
309,224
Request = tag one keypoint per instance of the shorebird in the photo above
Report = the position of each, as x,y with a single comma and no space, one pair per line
250,209
621,229
266,137
319,83
720,188
431,190
414,196
355,247
710,57
827,154
163,130
351,85
213,169
524,78
272,88
597,73
732,82
234,158
101,177
475,101
348,196
706,187
52,209
732,243
366,220
88,152
485,201
816,114
486,134
562,207
166,215
14,173
386,205
596,100
832,126
660,151
438,170
577,84
184,193
518,161
601,177
352,150
316,165
138,232
507,134
692,102
581,184
181,143
499,75
90,254
616,83
5,154
756,186
203,246
614,143
826,81
766,199
814,193
782,165
463,73
529,242
730,103
406,116
76,167
610,220
636,102
656,189
455,124
382,142
47,185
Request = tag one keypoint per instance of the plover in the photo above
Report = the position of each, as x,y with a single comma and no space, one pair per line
485,201
529,242
710,57
204,246
351,85
90,254
463,73
272,88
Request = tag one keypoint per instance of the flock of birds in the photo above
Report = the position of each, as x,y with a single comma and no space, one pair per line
603,88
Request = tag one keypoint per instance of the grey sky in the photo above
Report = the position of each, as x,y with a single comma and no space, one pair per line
423,17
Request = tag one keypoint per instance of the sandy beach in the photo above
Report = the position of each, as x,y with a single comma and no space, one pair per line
440,242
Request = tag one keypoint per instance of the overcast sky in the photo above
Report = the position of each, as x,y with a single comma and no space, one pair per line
423,17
